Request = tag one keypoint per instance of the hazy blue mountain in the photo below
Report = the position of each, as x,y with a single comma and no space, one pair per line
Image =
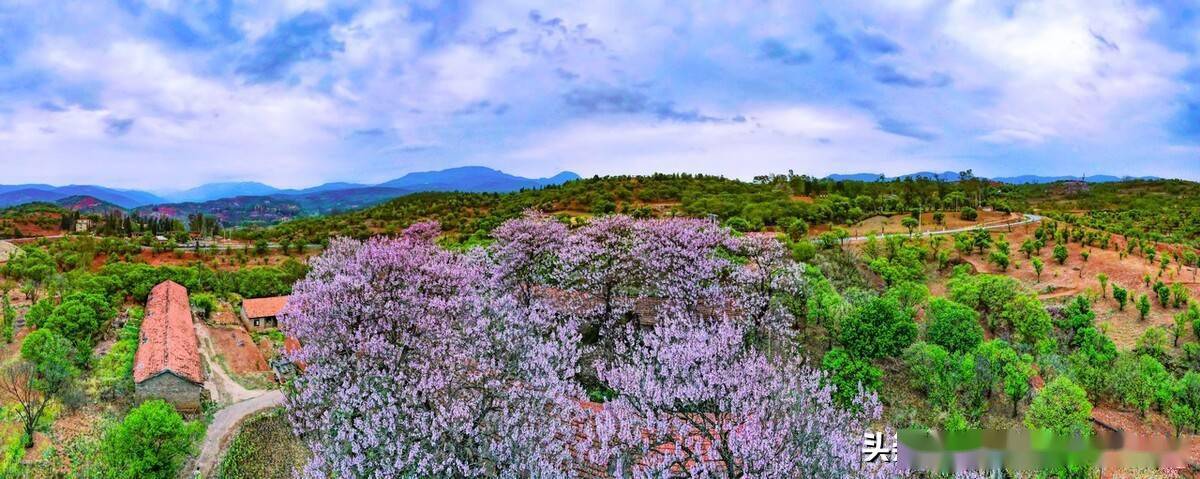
943,176
212,191
337,186
17,194
235,202
123,199
558,179
141,197
467,178
277,205
28,195
472,179
27,186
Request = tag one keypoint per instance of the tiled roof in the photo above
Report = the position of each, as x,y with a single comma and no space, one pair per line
167,341
290,346
263,307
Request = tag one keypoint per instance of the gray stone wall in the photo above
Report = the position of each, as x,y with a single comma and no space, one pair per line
184,394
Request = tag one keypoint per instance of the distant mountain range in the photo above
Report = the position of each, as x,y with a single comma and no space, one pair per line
468,178
19,194
1015,180
238,202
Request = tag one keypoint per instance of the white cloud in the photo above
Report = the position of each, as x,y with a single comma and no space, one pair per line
1067,70
807,139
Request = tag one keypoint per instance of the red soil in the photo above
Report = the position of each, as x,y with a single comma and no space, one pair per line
241,355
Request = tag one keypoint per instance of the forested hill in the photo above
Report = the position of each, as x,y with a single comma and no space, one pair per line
769,202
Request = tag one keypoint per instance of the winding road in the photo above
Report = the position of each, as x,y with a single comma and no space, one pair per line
225,422
1029,218
238,403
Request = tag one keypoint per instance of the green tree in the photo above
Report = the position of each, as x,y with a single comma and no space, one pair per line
1182,320
151,442
1085,254
1027,317
260,247
1184,408
739,224
953,326
968,214
205,303
797,229
1152,342
981,240
910,224
1121,295
946,379
1103,278
1000,259
1138,379
847,373
877,327
1060,253
45,370
1038,265
1015,377
1143,306
37,314
1179,295
1091,363
34,266
939,218
1028,247
990,294
1063,407
9,316
77,322
1163,292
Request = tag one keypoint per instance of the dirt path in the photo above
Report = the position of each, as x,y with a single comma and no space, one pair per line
985,226
223,388
238,403
225,422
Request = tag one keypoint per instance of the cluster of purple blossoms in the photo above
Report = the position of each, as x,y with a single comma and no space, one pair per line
427,362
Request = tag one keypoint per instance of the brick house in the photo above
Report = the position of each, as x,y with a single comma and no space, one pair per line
167,362
260,314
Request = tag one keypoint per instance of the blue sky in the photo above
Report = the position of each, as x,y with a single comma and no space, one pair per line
169,94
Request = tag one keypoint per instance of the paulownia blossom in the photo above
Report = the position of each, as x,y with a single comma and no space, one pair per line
417,365
426,362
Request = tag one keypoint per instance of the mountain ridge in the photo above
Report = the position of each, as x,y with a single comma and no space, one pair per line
468,178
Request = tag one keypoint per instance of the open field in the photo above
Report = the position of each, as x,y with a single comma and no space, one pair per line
1075,276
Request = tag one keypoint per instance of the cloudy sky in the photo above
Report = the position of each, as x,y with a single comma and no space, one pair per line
168,94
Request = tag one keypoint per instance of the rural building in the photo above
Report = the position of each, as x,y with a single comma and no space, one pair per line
167,362
83,225
259,314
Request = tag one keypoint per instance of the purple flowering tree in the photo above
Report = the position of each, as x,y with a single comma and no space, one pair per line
416,365
426,362
708,383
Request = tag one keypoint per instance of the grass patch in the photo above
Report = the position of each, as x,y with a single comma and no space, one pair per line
264,447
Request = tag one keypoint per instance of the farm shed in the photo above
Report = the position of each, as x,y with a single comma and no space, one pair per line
167,362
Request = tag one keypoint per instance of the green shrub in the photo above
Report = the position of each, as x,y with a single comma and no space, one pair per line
151,442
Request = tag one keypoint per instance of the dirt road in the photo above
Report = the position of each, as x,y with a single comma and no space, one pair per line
238,403
225,422
1028,219
223,389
